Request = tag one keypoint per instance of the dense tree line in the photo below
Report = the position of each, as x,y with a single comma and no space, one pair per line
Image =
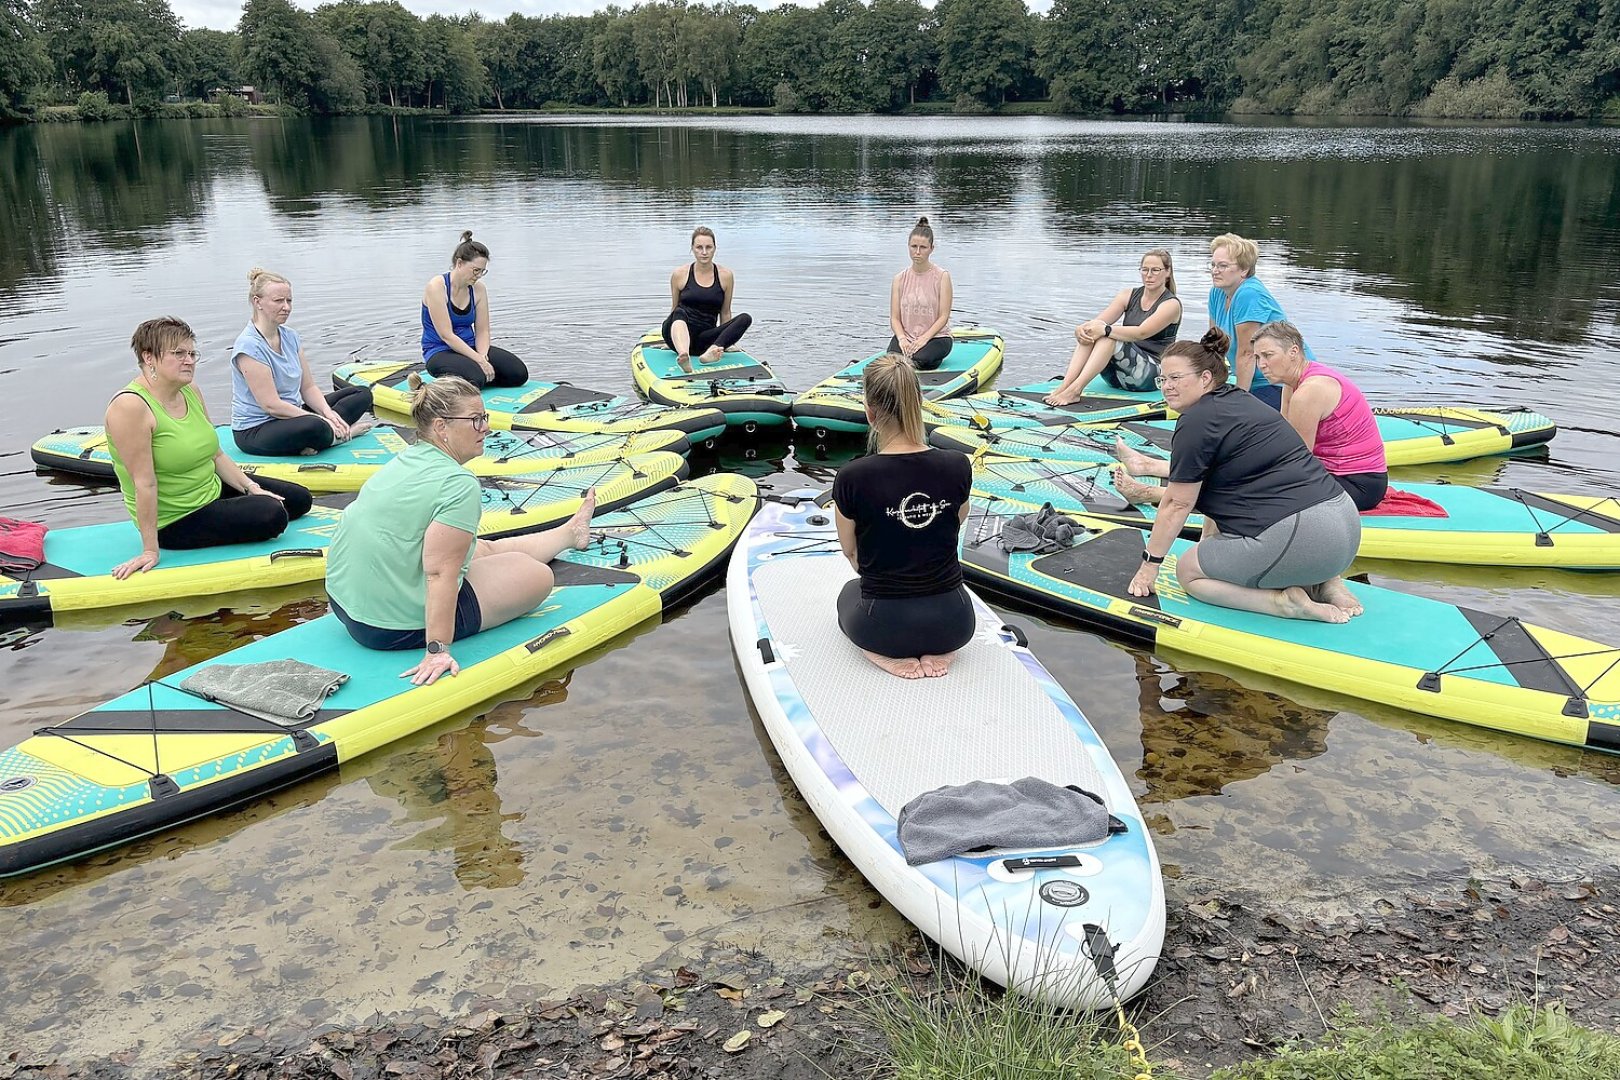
1508,58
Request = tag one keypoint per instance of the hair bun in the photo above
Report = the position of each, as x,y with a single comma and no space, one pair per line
413,382
1215,340
466,236
254,273
923,220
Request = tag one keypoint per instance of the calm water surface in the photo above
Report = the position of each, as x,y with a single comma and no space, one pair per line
631,810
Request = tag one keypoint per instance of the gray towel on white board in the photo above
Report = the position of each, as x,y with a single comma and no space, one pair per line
1027,813
284,691
1042,532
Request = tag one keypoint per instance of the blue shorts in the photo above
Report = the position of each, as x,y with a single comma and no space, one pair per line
469,620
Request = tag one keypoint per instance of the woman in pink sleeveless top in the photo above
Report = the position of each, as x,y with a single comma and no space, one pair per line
1328,411
920,305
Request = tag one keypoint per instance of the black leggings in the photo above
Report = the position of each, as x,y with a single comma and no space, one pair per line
290,436
907,626
509,370
724,335
931,355
235,518
1366,489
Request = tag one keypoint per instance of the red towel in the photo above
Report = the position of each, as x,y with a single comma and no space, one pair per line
1406,504
22,545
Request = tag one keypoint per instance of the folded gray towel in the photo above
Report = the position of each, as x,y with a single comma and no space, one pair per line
1042,532
287,692
1027,813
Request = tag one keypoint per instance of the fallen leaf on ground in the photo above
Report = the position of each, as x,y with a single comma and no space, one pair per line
772,1018
737,1042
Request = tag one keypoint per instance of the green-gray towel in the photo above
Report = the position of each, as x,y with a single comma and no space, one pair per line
287,692
1026,814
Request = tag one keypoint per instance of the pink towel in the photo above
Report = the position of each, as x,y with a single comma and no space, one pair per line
1406,504
22,545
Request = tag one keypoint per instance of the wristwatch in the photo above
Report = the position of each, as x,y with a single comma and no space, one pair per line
434,648
1108,329
1154,559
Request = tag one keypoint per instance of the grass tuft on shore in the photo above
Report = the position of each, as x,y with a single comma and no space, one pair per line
1524,1043
953,1026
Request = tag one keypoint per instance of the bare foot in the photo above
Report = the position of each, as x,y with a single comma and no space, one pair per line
1134,461
580,523
685,360
361,426
905,668
935,666
714,355
1295,603
1133,491
1337,593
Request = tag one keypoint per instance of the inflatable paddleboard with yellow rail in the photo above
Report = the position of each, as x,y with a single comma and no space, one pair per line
541,406
1464,526
1427,656
838,405
743,388
77,573
82,451
159,756
1423,436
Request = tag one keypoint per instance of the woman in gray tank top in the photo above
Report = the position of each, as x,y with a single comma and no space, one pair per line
1124,342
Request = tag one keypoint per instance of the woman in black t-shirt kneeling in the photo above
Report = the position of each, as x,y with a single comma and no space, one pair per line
1278,530
899,512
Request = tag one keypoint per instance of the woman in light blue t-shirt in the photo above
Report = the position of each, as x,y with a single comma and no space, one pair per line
1240,305
276,408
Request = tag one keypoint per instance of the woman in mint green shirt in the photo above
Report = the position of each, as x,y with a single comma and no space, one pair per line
181,490
407,570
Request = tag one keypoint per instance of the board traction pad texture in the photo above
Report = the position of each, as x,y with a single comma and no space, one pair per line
986,720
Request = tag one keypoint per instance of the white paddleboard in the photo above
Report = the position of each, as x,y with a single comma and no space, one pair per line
860,744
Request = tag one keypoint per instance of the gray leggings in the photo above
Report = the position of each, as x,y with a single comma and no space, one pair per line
1315,545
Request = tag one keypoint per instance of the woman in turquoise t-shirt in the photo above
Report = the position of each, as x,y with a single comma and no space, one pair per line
407,570
1240,305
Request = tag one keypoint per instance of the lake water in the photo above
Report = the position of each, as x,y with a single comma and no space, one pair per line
632,810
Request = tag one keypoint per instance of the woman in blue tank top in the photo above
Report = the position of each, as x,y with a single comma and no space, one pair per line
455,324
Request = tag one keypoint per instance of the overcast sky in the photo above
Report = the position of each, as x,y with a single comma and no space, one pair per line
223,14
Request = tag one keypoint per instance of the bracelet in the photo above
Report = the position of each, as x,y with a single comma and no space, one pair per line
1153,559
1108,329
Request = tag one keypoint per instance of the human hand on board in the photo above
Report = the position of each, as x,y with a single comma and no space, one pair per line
142,563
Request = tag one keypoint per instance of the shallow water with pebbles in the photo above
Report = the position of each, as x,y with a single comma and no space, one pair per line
630,811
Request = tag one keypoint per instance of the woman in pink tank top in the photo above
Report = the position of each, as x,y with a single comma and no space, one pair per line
920,305
1328,411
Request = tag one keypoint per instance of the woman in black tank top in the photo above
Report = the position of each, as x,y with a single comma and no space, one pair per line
700,319
1124,342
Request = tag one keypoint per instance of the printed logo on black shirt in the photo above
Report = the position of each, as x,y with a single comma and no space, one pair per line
917,510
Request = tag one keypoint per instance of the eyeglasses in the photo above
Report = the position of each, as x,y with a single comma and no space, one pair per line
184,354
1153,269
479,271
478,420
1165,380
1221,266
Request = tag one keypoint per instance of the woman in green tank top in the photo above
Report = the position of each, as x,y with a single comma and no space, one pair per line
181,490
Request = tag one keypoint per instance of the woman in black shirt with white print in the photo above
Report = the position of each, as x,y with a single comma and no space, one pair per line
899,512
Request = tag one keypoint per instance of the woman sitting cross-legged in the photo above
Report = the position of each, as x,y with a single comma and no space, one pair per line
181,490
455,324
407,570
276,408
1278,530
899,511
